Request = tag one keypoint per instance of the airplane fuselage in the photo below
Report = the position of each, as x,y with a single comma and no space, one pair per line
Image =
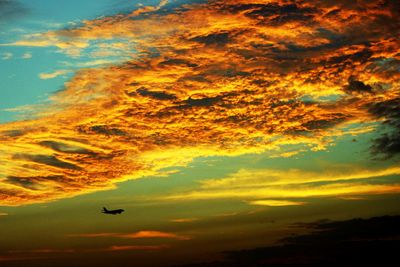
113,212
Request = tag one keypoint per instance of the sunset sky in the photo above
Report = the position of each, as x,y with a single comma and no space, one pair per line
216,125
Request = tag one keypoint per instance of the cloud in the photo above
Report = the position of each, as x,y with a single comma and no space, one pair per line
388,144
41,253
10,10
135,247
136,235
184,220
65,147
279,187
26,55
355,241
222,78
92,63
147,9
154,94
52,75
17,257
6,56
46,160
275,203
357,86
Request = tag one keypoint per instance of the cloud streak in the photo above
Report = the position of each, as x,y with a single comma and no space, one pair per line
135,235
279,187
52,75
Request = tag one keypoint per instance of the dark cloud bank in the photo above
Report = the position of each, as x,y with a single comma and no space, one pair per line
355,242
10,10
388,144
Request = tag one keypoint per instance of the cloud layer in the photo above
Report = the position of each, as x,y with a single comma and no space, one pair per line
284,186
214,78
355,241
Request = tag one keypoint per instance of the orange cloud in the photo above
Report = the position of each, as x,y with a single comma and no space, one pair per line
136,235
121,248
218,78
155,234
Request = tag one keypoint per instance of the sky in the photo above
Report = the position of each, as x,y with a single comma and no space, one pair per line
220,127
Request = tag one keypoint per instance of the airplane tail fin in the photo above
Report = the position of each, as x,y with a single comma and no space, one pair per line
104,209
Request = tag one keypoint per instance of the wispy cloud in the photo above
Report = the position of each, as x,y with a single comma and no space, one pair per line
184,220
147,9
92,63
26,55
136,235
6,56
52,75
279,187
137,247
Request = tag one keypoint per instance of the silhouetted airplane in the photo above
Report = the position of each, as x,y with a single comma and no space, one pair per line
113,212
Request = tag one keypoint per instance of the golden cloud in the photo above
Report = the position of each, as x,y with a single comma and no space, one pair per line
217,78
276,187
275,203
51,75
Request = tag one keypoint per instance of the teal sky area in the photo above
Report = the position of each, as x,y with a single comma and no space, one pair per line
21,66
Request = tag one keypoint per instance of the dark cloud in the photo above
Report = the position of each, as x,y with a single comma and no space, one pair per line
101,129
326,231
25,182
275,14
352,242
47,160
389,109
213,39
197,78
35,182
324,123
387,66
159,95
360,56
201,102
11,10
358,87
61,147
388,144
13,133
177,62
